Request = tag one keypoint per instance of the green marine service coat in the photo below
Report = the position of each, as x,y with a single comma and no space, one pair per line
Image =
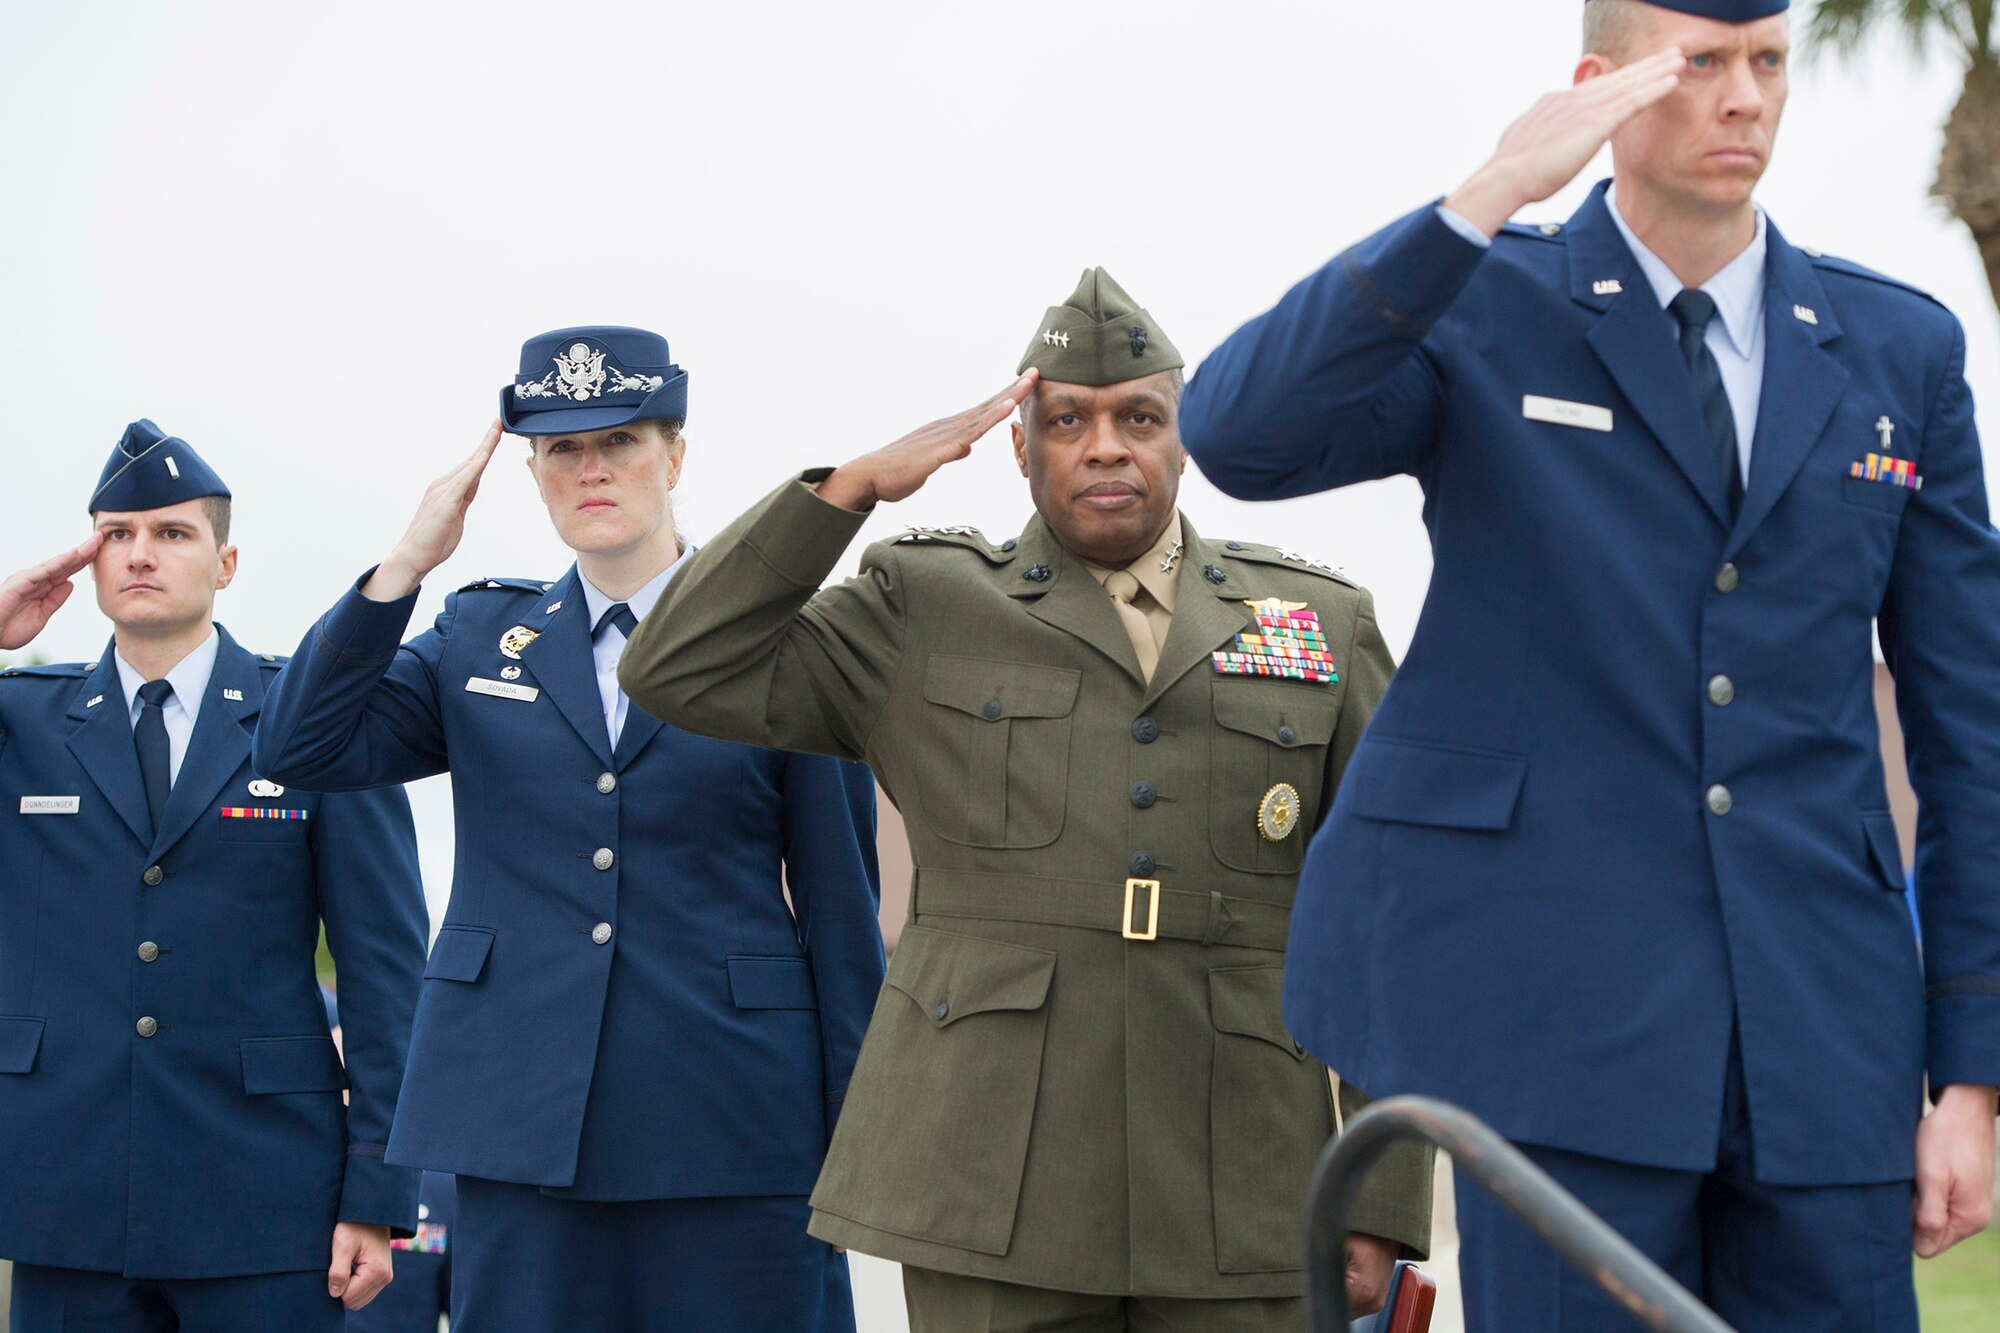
1042,1098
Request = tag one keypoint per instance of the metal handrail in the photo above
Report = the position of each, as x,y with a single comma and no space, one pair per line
1578,1234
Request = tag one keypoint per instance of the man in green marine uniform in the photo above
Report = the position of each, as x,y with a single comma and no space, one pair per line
1110,738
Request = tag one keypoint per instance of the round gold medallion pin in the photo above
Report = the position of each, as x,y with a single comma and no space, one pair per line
1278,813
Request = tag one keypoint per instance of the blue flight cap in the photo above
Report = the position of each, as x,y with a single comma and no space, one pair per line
593,378
151,469
1726,11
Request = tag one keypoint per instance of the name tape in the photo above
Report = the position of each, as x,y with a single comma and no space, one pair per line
501,689
51,805
1563,413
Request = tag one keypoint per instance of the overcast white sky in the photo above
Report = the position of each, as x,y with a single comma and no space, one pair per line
310,239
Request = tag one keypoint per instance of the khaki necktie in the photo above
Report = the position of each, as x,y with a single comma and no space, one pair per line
1124,590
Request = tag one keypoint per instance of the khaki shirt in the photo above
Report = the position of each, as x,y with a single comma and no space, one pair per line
1042,1098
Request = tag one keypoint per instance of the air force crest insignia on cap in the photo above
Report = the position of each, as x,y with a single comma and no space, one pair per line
593,377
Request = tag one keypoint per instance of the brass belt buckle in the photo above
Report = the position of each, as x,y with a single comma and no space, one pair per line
1152,930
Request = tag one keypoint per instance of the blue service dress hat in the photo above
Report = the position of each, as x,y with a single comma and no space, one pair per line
151,469
593,377
1727,11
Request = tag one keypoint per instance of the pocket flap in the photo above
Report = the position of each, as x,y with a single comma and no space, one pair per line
1307,719
291,1064
1887,851
771,983
953,976
1248,1001
993,691
460,953
1421,782
20,1038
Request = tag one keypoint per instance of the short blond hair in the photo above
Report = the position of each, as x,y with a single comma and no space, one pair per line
1611,27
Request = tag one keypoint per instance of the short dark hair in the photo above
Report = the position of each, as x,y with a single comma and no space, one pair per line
217,509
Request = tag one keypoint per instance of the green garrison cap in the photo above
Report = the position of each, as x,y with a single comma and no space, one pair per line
1099,336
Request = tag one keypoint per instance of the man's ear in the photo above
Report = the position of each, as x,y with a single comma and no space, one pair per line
1184,459
1020,446
227,574
1591,66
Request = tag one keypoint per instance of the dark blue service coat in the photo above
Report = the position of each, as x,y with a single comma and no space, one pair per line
210,1139
1627,787
620,1005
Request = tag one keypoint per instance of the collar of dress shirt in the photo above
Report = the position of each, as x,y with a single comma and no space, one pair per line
1163,584
642,601
189,677
1738,289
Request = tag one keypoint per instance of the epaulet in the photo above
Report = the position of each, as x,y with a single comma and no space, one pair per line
1848,268
272,661
1551,232
971,539
1277,555
535,586
52,670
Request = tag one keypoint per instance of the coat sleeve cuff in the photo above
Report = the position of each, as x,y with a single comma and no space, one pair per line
375,1193
361,632
1964,1040
1395,1198
801,536
1410,272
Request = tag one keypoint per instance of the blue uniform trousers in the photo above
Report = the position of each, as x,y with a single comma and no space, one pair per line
526,1262
76,1300
1769,1258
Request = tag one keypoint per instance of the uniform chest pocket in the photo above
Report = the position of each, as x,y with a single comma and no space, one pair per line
1267,735
1882,495
995,759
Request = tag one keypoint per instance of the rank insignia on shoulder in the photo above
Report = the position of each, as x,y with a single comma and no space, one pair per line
517,638
1307,560
1278,813
1287,643
924,534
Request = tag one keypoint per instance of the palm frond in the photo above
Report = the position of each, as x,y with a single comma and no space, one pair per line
1842,26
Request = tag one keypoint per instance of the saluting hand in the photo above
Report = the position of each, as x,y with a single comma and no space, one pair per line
29,598
895,471
1543,150
437,528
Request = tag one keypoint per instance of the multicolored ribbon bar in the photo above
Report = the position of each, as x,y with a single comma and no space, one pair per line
260,812
1895,471
1287,644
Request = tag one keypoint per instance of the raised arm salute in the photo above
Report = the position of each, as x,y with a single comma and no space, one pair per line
630,1048
1619,830
1109,738
165,1068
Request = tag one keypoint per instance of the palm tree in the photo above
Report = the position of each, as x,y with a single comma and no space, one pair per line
1968,176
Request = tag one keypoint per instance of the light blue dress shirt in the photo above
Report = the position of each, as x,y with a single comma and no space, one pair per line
189,678
607,647
1735,337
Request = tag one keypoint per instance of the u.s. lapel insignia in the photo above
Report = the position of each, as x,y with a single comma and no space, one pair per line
553,608
1806,314
94,701
264,789
517,638
233,696
1278,813
510,673
1607,287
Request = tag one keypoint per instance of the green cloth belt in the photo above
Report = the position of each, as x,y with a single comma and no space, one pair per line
1185,914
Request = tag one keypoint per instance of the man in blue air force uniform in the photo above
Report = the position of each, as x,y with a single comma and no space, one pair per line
628,1048
174,1152
1616,845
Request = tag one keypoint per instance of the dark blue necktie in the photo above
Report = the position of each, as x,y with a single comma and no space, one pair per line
1695,310
156,762
617,614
